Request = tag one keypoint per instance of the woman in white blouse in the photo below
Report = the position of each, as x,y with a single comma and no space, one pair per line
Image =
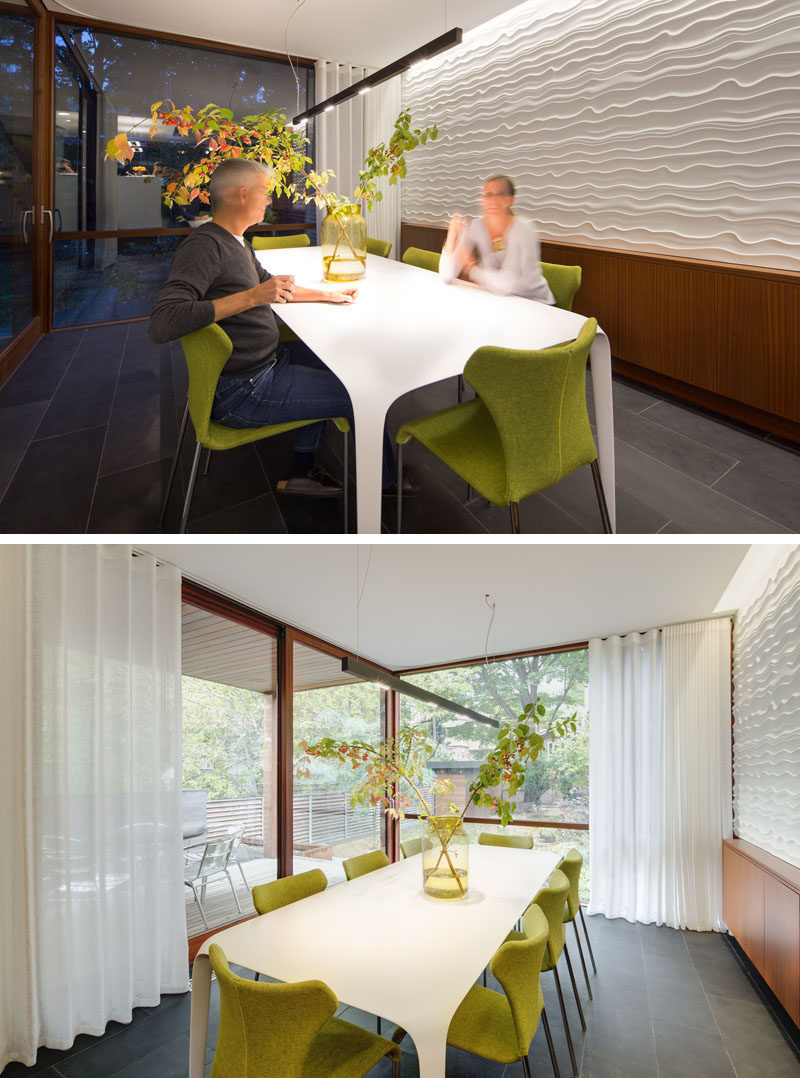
499,250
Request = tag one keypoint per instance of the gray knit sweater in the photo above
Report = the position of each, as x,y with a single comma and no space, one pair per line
210,264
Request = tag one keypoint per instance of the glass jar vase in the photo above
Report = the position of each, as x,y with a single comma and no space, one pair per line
445,858
343,236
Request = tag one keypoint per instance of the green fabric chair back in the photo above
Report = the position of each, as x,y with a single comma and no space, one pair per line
411,846
266,1030
516,966
207,351
272,243
571,864
564,282
551,901
427,260
364,863
277,893
517,842
528,427
378,247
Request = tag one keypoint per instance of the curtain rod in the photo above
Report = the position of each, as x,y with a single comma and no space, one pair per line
671,624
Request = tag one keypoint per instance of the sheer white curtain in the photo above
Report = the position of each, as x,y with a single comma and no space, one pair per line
92,917
660,765
381,108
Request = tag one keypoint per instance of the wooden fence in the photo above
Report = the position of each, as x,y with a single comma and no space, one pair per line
321,817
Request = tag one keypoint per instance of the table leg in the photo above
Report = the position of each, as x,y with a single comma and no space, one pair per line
369,457
431,1053
600,363
198,1028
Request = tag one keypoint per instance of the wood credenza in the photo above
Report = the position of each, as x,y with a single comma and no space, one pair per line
722,336
761,907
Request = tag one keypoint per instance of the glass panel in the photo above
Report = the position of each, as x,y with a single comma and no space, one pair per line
328,703
557,784
108,280
16,173
229,765
119,77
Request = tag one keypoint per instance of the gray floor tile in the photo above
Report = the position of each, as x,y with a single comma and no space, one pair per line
777,498
749,1034
721,975
686,455
18,424
682,1051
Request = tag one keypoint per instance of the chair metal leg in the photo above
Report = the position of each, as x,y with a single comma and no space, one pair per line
551,1047
174,466
244,878
395,1068
583,960
346,484
601,498
190,490
514,507
526,1067
208,462
588,941
572,1059
235,896
484,978
575,989
199,903
379,1025
460,391
399,483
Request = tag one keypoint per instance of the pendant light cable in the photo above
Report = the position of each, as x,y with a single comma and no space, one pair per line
288,57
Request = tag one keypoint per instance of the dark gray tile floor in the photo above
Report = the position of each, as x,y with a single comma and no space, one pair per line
666,1003
89,421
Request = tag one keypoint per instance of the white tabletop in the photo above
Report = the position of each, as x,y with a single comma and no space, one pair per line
407,329
383,946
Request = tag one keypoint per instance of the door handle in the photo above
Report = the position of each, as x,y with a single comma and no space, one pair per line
48,213
24,218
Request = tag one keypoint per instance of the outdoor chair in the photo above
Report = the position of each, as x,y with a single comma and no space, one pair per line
526,430
288,1031
207,351
210,864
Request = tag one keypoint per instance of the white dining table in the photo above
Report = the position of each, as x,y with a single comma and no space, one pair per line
406,329
384,946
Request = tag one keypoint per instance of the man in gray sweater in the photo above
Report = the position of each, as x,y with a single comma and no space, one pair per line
215,277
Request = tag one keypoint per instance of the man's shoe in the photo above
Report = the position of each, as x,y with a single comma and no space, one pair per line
411,485
316,482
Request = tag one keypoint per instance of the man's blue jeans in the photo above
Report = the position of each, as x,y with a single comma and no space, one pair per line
295,385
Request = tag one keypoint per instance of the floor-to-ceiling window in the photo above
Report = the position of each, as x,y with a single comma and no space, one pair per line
113,236
553,804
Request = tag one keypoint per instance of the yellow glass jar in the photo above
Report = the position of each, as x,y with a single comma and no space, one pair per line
343,236
445,858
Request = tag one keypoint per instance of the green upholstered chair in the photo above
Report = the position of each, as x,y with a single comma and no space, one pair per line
288,1031
551,901
427,260
571,864
527,429
207,352
518,842
272,243
564,282
378,247
411,846
500,1026
277,893
364,863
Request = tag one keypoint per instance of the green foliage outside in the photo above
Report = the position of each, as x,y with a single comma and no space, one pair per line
223,739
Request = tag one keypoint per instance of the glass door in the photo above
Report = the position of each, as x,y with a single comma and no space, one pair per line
18,223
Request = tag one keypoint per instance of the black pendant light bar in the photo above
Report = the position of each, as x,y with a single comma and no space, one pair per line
424,52
388,681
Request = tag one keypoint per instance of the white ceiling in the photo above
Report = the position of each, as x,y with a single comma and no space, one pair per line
372,35
424,603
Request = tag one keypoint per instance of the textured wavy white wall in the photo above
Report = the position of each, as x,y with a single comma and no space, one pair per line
670,126
766,734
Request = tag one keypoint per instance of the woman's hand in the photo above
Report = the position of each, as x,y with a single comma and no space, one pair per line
455,231
342,295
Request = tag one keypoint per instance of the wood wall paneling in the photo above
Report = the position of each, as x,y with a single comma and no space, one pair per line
598,295
665,323
743,903
758,327
782,944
